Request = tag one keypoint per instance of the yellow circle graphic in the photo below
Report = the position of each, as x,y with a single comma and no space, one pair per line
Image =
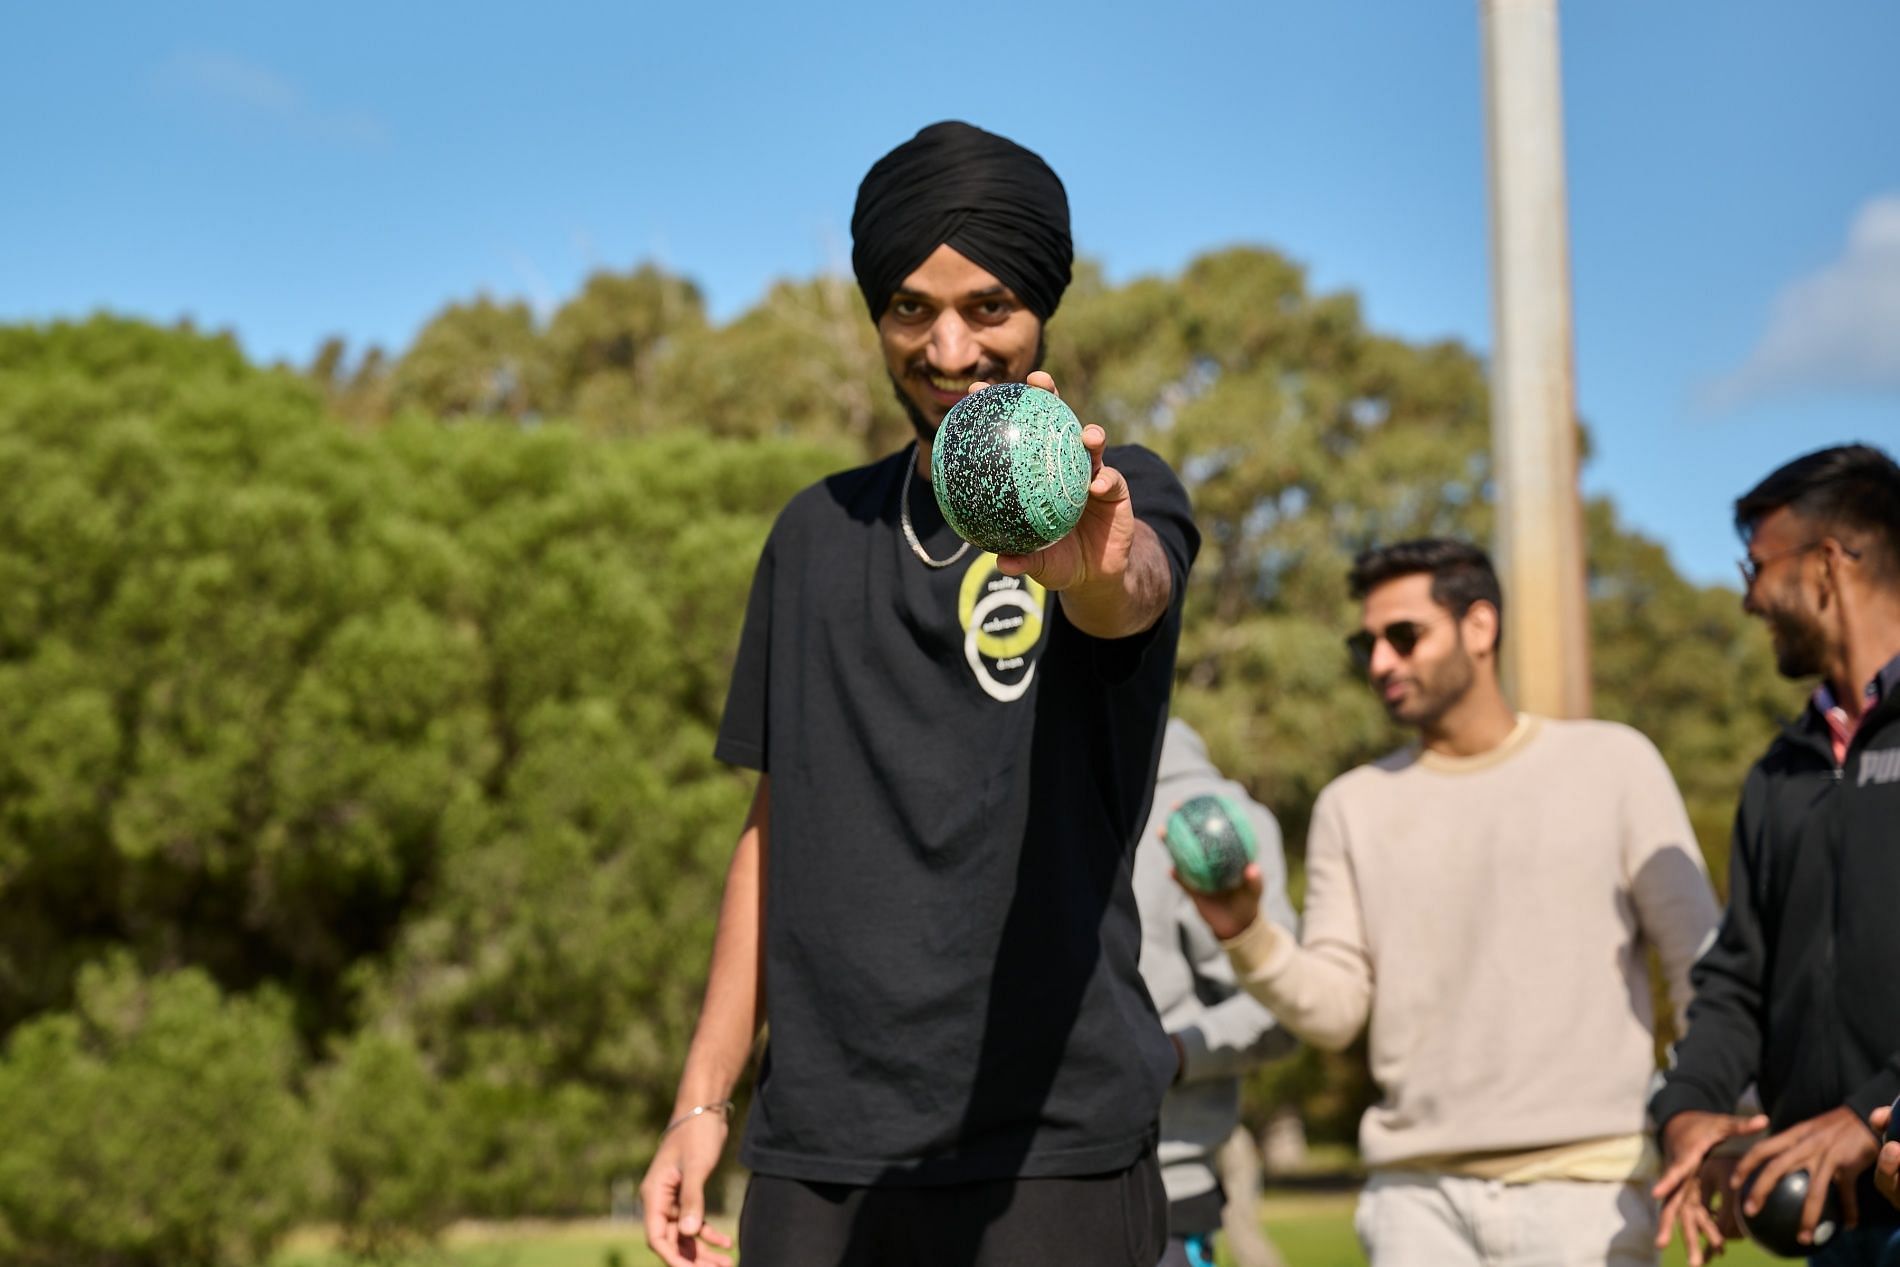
1008,628
1002,619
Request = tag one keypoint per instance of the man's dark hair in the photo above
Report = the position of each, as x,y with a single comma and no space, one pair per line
1852,489
1461,573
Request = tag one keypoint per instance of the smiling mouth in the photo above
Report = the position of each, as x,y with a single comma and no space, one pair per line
948,389
945,390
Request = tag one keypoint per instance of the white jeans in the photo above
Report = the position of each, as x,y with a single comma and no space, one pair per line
1434,1220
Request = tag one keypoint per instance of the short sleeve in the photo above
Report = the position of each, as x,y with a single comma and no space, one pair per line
742,730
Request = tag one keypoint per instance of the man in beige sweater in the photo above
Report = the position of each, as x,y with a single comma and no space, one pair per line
1483,900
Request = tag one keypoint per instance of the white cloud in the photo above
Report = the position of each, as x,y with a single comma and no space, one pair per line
257,92
1838,327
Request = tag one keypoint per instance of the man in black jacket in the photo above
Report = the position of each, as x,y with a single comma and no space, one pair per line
1798,993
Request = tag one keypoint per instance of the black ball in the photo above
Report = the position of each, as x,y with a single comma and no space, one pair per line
1775,1226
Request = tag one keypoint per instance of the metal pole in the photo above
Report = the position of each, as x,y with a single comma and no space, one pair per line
1533,410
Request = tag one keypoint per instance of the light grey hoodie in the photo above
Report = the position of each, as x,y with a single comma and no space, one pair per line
1222,1031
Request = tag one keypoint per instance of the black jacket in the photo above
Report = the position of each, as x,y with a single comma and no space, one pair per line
1800,992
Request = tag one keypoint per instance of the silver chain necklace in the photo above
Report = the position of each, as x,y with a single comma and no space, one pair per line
903,517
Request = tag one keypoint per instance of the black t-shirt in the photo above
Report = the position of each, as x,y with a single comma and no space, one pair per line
959,776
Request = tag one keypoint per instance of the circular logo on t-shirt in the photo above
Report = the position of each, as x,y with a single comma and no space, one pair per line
1002,618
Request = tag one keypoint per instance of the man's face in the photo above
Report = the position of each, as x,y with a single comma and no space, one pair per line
951,324
1419,687
1782,593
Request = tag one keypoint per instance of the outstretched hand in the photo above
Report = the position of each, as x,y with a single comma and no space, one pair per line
1097,550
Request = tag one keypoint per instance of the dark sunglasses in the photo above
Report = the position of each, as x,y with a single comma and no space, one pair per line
1403,635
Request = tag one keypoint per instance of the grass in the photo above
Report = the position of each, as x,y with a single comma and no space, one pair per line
525,1244
1310,1230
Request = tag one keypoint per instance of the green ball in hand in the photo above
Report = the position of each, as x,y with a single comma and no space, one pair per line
1009,468
1211,843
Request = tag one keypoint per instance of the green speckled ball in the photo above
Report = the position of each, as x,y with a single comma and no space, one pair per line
1211,843
1009,468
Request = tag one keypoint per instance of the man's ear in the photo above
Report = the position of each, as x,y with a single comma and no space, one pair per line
1832,572
1480,626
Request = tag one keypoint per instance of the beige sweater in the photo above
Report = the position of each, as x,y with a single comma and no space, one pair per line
1488,916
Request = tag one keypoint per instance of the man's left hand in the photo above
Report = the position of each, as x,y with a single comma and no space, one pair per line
1833,1148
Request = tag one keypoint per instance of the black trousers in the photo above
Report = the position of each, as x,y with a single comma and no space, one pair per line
1112,1220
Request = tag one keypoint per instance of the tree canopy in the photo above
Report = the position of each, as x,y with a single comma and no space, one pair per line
361,716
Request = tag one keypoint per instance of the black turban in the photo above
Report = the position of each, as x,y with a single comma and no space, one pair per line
993,201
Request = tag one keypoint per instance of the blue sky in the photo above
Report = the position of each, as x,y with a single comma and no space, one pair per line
294,171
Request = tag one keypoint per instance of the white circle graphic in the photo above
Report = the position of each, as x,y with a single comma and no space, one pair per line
1003,691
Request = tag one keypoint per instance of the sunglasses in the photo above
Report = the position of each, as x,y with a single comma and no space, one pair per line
1401,635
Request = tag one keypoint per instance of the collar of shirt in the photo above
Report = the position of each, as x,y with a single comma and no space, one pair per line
1840,727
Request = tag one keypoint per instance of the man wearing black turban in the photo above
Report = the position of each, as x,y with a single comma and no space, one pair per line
929,904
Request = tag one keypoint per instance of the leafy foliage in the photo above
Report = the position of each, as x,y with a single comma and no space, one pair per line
393,1155
156,1123
367,713
481,358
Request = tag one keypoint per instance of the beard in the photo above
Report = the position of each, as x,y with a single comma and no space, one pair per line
927,430
1800,641
1436,692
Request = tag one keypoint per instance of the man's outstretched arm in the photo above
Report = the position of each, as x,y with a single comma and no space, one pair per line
674,1191
1319,985
1111,571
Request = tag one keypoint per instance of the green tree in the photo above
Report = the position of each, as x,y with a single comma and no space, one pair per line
410,725
396,1165
804,363
555,975
414,723
603,343
157,1123
483,358
359,392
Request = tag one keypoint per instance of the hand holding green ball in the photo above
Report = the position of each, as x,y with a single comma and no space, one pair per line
1010,470
1211,843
